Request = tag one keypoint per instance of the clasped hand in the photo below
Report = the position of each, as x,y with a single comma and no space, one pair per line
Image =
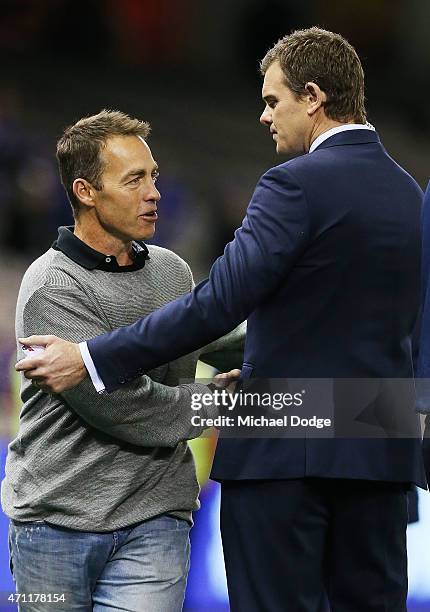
60,366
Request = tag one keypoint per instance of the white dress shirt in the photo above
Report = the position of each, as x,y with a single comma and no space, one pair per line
337,130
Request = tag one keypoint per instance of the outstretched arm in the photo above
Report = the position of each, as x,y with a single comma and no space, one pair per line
273,235
144,413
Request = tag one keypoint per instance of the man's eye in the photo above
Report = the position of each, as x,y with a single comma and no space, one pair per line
134,181
155,176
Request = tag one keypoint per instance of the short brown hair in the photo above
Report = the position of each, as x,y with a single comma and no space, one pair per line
79,148
327,59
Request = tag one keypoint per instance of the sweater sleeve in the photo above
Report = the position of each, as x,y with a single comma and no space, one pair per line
226,353
144,413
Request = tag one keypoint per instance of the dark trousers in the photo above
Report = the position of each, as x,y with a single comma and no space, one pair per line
287,541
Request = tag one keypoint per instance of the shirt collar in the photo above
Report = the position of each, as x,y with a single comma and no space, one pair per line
89,258
336,130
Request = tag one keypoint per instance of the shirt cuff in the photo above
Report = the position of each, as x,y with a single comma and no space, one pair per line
92,371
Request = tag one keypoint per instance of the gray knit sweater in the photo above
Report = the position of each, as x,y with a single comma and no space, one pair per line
99,462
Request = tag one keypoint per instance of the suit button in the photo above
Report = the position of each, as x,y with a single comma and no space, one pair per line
121,380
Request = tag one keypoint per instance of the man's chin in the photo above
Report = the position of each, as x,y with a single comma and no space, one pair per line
148,235
281,149
287,151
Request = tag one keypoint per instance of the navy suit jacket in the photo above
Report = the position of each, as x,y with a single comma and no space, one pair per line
326,268
423,368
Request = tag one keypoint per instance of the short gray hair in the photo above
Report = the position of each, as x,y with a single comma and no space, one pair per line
79,148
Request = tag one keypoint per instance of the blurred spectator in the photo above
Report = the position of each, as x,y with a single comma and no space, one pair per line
150,31
77,30
261,23
31,201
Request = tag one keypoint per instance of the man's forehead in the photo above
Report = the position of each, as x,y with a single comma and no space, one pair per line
124,147
125,153
273,79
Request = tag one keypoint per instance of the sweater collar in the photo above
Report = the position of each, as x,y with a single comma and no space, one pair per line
89,258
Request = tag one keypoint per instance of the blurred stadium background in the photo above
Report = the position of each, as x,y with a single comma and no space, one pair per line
190,68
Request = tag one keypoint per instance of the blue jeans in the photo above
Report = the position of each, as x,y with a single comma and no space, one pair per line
142,568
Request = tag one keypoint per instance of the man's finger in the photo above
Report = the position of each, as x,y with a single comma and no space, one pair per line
29,363
38,340
33,375
38,380
235,373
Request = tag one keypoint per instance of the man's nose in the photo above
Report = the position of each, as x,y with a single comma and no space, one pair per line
152,193
266,117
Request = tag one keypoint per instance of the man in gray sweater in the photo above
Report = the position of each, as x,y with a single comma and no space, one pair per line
100,488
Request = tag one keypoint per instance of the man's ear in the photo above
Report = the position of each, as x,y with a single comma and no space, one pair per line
84,192
315,97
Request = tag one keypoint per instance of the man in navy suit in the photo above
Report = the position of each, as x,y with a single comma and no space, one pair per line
325,267
423,367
